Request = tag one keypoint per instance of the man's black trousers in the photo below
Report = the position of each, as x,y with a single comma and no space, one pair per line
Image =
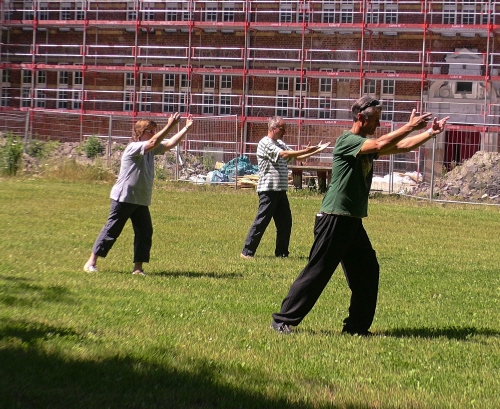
337,239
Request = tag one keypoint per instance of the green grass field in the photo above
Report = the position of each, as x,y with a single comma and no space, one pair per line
194,333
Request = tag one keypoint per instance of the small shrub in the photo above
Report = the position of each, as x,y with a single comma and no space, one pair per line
161,173
11,154
118,147
208,161
40,149
93,147
35,149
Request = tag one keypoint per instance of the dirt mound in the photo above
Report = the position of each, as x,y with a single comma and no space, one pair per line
475,180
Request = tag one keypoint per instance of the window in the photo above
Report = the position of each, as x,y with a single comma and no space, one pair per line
6,76
171,14
464,88
468,14
41,78
63,77
183,103
129,79
131,12
40,98
66,13
26,77
300,85
387,111
168,102
325,106
184,85
228,12
209,82
25,98
226,83
391,14
303,13
147,14
28,13
299,105
225,105
76,102
145,104
43,11
169,82
186,14
128,101
285,12
449,13
5,98
77,78
168,92
370,85
145,97
346,13
184,81
282,106
325,94
211,12
8,9
485,14
325,85
208,104
146,80
328,14
283,83
372,13
388,85
62,99
79,13
282,88
299,92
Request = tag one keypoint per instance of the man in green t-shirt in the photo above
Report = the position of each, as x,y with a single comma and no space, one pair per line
339,235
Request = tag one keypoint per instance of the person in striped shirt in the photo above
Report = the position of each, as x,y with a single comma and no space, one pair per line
273,156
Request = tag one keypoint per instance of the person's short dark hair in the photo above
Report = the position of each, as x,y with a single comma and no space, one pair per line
366,105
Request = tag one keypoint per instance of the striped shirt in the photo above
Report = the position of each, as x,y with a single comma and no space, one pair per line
273,170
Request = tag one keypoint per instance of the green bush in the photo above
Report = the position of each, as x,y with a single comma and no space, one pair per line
93,147
11,154
40,149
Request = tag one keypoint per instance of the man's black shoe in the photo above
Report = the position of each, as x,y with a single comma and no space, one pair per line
281,328
359,333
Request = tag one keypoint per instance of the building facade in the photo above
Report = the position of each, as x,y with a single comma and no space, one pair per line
306,60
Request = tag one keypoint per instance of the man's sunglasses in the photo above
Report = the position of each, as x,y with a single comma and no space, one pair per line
372,103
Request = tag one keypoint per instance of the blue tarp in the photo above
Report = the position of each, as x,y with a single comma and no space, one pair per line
244,167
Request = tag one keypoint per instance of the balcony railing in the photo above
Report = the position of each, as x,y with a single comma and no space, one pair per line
295,14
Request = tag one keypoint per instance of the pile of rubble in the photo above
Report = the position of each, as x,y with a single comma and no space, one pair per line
475,180
188,166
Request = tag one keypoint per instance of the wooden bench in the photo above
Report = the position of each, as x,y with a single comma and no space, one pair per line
323,173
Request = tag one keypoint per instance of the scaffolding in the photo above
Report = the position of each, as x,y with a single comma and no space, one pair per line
305,60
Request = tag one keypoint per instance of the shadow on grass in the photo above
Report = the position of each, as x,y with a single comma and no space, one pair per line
290,257
31,377
196,274
24,292
461,333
